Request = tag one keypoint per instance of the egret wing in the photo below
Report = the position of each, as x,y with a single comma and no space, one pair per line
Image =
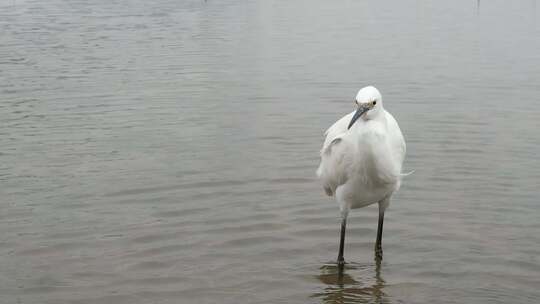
338,128
397,142
333,170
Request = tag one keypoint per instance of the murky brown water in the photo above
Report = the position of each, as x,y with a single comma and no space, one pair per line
165,151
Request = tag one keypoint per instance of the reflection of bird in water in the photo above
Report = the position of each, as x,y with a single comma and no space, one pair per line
361,160
343,288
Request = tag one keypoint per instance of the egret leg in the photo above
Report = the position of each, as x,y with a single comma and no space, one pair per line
378,245
340,259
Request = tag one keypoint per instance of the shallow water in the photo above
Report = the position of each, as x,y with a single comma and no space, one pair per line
164,151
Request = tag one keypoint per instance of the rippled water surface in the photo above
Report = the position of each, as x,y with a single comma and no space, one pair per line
165,151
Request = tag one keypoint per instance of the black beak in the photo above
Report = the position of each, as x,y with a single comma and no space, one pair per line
361,110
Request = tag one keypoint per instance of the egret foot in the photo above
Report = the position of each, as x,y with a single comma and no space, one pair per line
378,253
340,266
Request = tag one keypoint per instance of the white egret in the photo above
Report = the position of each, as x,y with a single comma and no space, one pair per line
361,160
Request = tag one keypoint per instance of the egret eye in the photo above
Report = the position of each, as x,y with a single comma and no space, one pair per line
374,102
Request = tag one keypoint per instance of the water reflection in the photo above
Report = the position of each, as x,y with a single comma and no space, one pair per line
342,287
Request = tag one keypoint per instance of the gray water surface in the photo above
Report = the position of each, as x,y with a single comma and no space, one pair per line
165,151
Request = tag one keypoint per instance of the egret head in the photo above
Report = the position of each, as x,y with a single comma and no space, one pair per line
369,103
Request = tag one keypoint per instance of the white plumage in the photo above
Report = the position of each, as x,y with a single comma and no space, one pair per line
361,166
